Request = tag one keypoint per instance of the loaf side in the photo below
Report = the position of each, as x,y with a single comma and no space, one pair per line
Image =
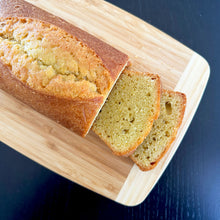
74,114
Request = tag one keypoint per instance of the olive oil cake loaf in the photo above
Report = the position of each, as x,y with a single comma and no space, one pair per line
54,67
129,112
163,132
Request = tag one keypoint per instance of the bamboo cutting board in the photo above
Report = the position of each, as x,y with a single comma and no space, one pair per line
87,161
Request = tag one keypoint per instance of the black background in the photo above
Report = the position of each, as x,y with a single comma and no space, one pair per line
190,186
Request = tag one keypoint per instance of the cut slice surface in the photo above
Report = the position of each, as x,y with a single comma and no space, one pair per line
129,112
164,131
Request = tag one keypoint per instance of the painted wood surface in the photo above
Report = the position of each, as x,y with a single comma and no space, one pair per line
88,161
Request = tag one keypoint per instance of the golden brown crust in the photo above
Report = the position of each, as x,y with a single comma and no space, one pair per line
74,114
173,135
113,59
78,113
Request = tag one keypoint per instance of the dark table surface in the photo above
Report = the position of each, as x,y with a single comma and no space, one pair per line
190,186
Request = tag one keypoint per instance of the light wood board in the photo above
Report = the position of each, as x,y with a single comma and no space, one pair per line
87,161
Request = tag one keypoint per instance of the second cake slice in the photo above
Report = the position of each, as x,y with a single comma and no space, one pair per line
129,112
163,133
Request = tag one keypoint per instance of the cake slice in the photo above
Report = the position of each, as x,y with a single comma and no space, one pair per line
129,112
163,133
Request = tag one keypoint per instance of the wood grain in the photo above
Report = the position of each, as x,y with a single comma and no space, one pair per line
88,161
78,159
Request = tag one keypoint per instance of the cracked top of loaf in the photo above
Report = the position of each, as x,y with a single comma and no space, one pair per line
50,60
